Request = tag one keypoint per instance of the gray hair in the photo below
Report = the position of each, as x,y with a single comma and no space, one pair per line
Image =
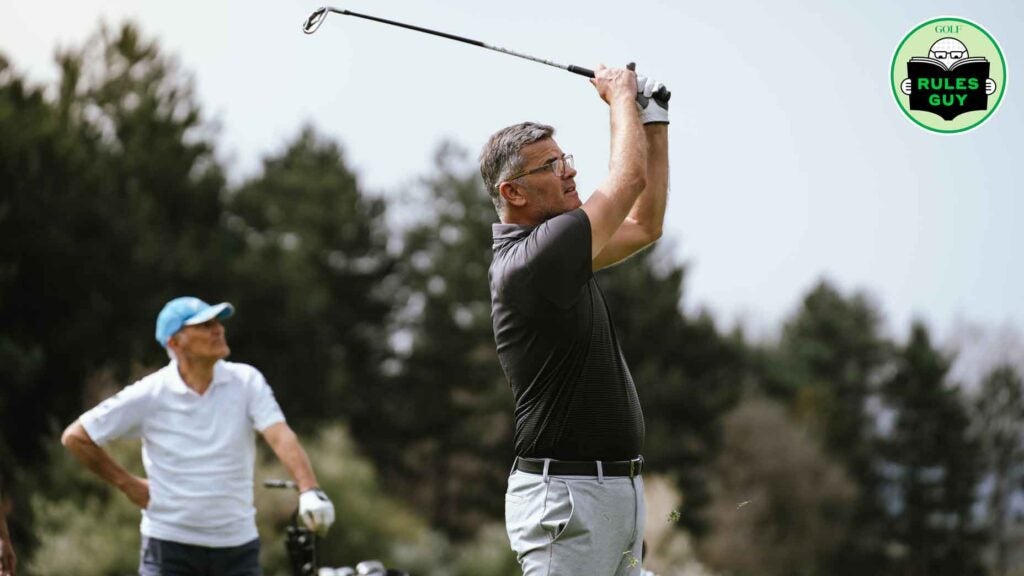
500,157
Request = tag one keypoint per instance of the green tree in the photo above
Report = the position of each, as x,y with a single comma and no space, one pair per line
153,216
998,426
827,368
688,375
440,426
46,186
38,162
933,466
781,504
110,204
309,282
833,350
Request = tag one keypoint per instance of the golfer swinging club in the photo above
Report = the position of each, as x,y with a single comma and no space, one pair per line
575,500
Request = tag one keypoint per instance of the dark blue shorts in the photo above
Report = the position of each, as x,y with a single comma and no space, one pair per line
164,558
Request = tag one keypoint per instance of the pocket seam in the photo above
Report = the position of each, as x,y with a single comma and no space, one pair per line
572,512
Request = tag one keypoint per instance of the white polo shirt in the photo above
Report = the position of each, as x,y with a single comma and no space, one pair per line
198,451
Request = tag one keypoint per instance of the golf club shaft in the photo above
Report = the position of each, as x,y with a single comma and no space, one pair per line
662,96
272,483
570,67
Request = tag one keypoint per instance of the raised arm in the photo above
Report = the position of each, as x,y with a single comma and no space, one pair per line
609,205
77,440
644,224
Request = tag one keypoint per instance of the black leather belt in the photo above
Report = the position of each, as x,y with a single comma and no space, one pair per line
628,468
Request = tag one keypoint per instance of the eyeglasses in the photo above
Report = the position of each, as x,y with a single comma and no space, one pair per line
559,166
953,54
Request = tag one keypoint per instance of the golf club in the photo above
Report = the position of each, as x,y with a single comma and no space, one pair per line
320,14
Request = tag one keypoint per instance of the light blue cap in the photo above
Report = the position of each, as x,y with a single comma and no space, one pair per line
187,311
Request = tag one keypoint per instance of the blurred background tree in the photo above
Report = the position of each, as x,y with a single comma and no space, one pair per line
827,368
111,204
687,374
440,424
781,506
933,467
309,280
998,428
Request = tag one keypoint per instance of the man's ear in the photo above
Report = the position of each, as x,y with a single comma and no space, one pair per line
173,342
513,194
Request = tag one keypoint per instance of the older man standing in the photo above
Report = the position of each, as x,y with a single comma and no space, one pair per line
575,503
196,418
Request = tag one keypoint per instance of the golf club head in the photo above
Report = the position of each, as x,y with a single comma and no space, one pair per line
315,20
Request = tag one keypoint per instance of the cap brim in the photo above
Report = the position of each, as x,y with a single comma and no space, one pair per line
222,310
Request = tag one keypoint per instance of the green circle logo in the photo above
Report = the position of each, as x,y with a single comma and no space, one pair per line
948,75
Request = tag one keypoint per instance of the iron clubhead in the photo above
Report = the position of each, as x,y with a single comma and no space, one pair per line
315,20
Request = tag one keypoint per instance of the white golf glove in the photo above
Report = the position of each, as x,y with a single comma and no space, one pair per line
651,111
316,510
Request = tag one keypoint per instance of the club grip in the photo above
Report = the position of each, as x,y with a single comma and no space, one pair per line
580,70
662,95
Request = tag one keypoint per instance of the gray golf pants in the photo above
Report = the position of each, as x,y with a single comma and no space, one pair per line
575,525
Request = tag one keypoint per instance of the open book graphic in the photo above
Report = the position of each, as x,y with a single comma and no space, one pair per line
948,92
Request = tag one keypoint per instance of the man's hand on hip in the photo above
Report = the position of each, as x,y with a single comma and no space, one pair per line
137,490
316,510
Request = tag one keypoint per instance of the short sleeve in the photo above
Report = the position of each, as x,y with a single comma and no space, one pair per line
120,416
263,408
557,254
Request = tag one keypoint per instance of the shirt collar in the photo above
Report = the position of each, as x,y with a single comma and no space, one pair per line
179,386
503,233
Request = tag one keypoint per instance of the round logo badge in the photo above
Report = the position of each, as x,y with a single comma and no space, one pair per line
948,75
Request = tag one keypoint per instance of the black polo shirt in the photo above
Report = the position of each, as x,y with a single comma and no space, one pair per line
575,398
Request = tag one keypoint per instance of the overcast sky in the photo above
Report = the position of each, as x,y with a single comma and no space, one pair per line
790,158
